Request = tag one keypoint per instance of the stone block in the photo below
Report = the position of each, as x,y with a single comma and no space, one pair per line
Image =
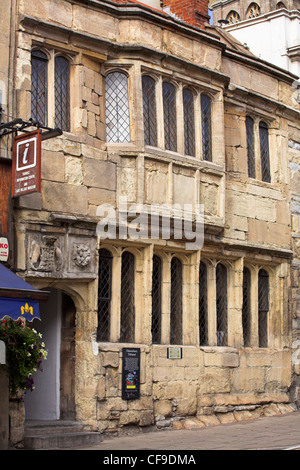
53,166
99,174
59,197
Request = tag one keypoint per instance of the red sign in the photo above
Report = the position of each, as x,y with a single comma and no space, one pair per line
26,169
4,249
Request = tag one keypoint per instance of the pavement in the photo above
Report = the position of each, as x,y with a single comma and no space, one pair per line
280,432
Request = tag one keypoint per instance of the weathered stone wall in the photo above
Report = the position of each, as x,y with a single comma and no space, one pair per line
247,223
294,153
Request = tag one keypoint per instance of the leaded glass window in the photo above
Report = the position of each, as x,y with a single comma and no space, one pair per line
263,307
206,127
189,122
156,299
176,302
246,310
117,108
250,147
203,312
149,109
127,333
39,79
170,119
62,93
264,152
221,291
104,295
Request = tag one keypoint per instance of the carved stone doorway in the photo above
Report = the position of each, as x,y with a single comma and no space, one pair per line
54,395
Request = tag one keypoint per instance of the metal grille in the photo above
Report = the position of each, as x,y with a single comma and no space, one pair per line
206,127
246,311
221,287
62,93
156,300
263,308
189,122
176,302
117,108
170,125
264,152
39,64
149,108
127,299
104,295
250,147
203,313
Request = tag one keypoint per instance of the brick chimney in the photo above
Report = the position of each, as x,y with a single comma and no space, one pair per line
194,12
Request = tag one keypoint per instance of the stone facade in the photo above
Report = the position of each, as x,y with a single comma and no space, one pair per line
240,10
247,222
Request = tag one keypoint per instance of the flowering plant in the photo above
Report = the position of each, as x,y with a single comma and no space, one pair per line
25,352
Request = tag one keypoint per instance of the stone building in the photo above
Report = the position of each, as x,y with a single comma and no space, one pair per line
269,29
159,113
273,34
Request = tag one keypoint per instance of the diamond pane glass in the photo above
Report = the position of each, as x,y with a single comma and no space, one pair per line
170,124
203,313
189,122
149,108
176,302
263,308
246,311
250,147
156,300
117,108
104,295
62,93
127,299
39,64
264,152
221,287
206,127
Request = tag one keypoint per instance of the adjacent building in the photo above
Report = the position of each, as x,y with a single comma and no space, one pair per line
164,117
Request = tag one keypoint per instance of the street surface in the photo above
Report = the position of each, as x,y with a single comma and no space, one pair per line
267,433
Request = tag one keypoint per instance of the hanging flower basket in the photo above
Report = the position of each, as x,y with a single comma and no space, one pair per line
25,352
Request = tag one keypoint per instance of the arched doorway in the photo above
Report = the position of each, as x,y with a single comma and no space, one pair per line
53,397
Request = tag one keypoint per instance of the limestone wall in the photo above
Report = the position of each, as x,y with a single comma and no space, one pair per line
247,221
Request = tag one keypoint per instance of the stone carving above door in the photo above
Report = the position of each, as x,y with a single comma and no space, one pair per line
61,254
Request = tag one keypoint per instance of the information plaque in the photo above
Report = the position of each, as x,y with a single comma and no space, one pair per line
131,374
26,165
174,353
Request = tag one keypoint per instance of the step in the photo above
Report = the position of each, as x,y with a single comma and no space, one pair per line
58,435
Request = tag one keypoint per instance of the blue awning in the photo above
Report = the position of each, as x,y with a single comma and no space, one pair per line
17,297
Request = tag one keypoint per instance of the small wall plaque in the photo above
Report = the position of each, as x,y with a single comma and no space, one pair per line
174,353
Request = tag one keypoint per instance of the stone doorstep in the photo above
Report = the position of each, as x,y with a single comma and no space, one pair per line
58,434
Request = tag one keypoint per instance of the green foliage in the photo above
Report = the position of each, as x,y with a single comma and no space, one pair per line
25,352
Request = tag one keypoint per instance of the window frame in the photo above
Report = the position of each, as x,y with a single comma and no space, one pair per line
176,301
156,317
222,304
126,139
37,57
65,114
189,123
206,128
263,308
203,304
149,138
264,143
127,306
50,92
170,116
106,255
